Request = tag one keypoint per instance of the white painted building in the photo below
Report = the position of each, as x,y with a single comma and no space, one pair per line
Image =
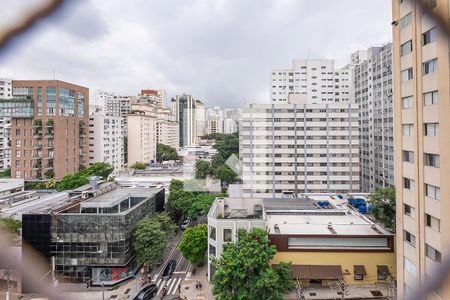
190,116
299,147
167,131
142,138
215,120
106,141
230,126
372,80
316,79
5,126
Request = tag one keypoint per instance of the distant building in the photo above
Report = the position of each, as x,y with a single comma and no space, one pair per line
230,126
156,96
200,121
299,148
324,244
106,141
188,111
142,134
215,120
48,128
89,234
167,130
372,80
5,126
316,79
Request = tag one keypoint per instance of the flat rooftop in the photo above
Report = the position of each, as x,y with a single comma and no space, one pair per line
117,195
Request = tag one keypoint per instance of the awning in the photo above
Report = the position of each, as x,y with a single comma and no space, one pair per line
359,270
384,270
316,272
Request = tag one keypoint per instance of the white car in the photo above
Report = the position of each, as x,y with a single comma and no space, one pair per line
185,224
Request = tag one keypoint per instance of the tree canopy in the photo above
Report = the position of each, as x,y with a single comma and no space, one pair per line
6,173
202,169
194,243
244,272
10,224
138,166
226,146
383,201
164,152
151,237
74,180
224,173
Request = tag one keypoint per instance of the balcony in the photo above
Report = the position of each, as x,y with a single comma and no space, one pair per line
49,134
82,134
48,167
50,123
48,146
37,134
37,124
37,166
49,157
37,157
37,146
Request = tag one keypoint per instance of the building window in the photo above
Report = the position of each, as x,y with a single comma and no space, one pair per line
410,267
405,21
17,174
212,250
430,66
359,272
407,129
431,129
409,238
433,222
227,236
212,233
407,74
17,163
429,36
430,98
409,210
406,48
432,191
432,160
408,156
382,272
17,153
408,183
407,102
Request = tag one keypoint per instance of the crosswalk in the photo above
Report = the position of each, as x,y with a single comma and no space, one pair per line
171,285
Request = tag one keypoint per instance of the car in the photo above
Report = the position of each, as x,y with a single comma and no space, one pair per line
168,270
185,224
147,292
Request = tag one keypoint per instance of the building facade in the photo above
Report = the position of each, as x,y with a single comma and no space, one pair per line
421,129
156,96
106,141
316,79
372,81
167,129
142,135
185,109
297,148
5,126
49,121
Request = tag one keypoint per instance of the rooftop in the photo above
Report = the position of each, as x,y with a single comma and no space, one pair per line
117,195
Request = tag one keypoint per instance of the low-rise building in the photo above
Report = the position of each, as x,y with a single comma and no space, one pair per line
324,243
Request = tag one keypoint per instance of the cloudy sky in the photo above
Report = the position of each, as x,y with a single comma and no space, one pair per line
220,51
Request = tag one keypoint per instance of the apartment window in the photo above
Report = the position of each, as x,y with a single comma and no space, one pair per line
429,36
408,183
430,66
408,156
405,21
409,210
433,254
17,143
212,233
382,272
17,153
406,48
17,163
409,238
432,160
410,267
17,174
407,129
433,222
432,191
227,235
431,129
430,98
212,250
407,74
407,102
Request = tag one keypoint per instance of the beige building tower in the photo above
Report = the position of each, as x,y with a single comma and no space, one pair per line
422,143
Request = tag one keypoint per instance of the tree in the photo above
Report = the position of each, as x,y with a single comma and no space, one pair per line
6,173
151,237
383,201
202,169
224,173
101,169
164,152
194,243
138,166
10,224
244,272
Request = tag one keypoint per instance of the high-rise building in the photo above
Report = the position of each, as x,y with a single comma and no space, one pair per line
298,148
230,126
48,128
215,120
200,121
156,96
106,141
372,81
142,130
185,109
422,131
5,126
167,128
316,79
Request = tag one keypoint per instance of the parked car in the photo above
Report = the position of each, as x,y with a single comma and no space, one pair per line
185,224
147,292
169,269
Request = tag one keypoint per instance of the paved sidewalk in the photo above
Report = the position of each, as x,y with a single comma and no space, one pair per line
188,290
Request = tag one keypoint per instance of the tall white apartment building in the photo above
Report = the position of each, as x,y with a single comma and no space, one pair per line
106,141
422,142
142,137
317,79
372,81
110,104
167,131
5,126
215,120
230,126
190,116
298,147
200,120
156,96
